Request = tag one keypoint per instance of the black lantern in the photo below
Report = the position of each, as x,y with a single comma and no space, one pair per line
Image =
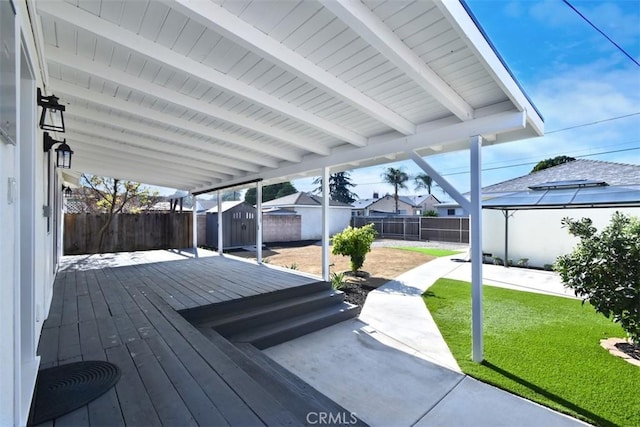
67,191
51,117
63,152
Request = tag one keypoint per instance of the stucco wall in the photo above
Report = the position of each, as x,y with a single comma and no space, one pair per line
281,228
538,234
339,219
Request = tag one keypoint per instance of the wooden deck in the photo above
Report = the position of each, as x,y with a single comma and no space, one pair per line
171,374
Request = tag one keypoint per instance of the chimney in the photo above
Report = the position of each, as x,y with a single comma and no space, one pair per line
376,195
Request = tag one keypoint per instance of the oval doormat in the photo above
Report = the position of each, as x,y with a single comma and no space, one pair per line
64,388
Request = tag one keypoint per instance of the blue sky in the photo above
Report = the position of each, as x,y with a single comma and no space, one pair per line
571,73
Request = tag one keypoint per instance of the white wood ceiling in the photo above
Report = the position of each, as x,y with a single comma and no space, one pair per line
199,94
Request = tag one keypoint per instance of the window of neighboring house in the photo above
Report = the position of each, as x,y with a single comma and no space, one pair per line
418,212
451,212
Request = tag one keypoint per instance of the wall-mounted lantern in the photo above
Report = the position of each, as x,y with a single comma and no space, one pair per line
63,152
67,191
51,118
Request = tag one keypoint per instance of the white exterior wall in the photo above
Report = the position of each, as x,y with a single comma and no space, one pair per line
538,234
339,219
26,248
388,204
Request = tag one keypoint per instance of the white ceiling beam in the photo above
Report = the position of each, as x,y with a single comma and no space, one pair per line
112,168
170,141
375,32
266,150
444,132
468,30
136,146
101,147
217,18
92,23
153,90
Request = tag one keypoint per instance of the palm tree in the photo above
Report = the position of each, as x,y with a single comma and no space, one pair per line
397,178
424,181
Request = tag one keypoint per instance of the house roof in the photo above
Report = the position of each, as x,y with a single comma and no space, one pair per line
580,169
302,198
226,205
410,200
201,95
579,183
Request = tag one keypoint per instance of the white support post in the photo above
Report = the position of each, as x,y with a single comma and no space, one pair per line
476,248
325,224
220,228
259,222
194,219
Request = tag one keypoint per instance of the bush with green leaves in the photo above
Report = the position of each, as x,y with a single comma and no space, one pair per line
604,269
354,243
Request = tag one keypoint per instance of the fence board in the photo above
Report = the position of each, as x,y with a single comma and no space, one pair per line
418,228
128,232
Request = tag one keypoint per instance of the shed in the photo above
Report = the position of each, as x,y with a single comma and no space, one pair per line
239,223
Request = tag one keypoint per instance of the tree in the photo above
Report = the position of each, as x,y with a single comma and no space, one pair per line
354,243
423,181
397,178
339,184
113,196
555,161
604,269
270,192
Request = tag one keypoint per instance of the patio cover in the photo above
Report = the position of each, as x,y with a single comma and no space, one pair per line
197,95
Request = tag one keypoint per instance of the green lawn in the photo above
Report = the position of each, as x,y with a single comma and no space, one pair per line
541,347
429,251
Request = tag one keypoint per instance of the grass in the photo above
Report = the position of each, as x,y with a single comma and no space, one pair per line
541,347
429,251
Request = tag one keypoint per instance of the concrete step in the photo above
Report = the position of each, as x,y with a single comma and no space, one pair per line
271,334
251,317
218,310
285,387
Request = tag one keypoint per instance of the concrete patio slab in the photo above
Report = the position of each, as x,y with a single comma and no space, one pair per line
473,403
520,279
393,368
382,385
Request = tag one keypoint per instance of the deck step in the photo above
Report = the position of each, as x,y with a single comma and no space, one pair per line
232,323
288,389
218,310
275,333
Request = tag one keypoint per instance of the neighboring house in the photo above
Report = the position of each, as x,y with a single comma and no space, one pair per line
450,209
407,205
384,205
424,203
538,234
309,207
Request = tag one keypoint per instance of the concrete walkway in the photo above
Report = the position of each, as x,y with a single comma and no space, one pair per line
393,368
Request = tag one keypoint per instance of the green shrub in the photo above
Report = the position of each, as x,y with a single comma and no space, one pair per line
354,243
430,213
497,260
337,281
604,269
523,262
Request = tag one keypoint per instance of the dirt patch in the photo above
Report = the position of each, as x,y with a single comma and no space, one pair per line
380,265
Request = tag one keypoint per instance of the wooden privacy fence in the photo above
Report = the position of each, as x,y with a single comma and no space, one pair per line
128,232
418,228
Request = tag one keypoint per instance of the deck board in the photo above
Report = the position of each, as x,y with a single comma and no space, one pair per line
171,374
